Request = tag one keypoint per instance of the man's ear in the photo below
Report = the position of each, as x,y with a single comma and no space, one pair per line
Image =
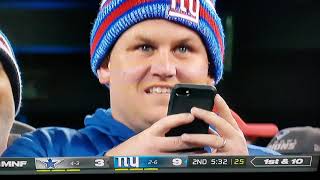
104,73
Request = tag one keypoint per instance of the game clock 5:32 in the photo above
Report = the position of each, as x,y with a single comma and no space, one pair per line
209,162
235,161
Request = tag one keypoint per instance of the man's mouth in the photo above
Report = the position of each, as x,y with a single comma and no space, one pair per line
158,90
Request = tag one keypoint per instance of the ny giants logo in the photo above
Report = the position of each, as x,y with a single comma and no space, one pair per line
186,9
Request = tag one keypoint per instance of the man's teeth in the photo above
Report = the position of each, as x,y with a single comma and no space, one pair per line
160,90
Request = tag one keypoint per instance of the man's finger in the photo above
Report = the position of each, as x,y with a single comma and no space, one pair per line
223,110
223,128
164,125
172,144
203,140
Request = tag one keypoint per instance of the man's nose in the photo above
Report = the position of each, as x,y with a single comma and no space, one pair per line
163,65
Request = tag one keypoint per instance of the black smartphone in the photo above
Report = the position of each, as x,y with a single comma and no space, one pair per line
185,96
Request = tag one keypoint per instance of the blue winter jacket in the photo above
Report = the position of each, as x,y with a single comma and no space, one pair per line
100,134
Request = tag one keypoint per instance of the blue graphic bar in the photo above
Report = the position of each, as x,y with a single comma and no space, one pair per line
45,49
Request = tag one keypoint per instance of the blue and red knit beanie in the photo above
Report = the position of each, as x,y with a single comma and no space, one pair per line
116,16
11,68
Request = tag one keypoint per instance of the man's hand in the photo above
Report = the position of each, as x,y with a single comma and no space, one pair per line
229,140
152,141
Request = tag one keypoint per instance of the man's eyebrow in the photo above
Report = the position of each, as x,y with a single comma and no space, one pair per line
144,38
185,40
148,40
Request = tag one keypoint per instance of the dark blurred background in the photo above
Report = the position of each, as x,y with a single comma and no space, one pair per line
271,63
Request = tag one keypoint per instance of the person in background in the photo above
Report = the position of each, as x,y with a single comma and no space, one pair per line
10,90
140,49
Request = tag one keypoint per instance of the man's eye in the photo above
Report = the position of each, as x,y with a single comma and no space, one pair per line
145,48
183,49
